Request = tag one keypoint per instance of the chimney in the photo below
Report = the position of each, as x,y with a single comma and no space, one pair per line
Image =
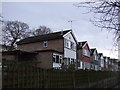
61,32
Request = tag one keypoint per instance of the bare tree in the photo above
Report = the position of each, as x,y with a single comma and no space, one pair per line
13,31
1,22
106,14
42,30
1,17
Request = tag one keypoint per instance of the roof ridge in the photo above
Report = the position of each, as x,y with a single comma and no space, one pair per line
46,34
83,41
49,36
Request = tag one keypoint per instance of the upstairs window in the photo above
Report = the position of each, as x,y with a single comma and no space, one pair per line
66,43
96,58
72,45
45,44
69,44
86,53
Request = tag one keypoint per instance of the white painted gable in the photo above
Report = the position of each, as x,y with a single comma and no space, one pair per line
68,53
69,36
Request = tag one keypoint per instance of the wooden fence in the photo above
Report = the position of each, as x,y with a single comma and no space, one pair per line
27,75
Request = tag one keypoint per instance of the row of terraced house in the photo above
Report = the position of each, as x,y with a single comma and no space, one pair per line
58,49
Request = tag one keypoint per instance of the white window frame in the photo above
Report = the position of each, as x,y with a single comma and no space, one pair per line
60,58
72,61
45,44
69,44
86,52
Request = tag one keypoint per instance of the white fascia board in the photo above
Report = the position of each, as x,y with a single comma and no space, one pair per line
88,45
73,35
84,44
66,34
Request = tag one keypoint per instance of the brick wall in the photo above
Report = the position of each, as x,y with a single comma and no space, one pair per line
52,44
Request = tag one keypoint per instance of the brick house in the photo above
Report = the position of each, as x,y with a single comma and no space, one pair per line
94,59
54,49
83,55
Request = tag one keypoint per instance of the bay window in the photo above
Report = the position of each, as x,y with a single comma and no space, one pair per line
57,58
69,44
86,52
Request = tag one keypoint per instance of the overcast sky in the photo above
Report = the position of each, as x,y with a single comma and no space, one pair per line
56,16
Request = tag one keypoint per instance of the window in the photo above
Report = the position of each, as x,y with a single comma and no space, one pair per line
57,58
95,57
60,59
72,46
69,44
45,44
68,61
66,43
72,61
86,53
54,58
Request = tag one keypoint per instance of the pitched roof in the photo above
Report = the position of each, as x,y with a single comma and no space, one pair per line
92,50
100,54
50,36
104,57
81,44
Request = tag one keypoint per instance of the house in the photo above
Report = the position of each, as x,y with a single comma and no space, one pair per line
83,55
112,64
109,64
60,47
106,63
94,59
115,64
101,61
